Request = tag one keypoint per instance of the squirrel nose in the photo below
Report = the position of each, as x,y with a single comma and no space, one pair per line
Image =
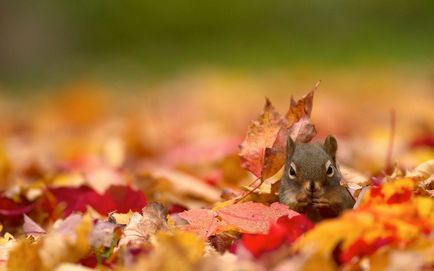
310,187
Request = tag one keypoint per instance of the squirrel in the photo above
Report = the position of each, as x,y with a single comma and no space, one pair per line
311,180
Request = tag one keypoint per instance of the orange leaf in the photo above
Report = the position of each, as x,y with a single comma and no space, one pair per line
261,134
263,150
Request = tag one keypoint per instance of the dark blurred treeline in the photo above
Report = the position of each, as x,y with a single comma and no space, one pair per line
49,40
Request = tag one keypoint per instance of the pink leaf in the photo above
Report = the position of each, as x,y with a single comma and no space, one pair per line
203,222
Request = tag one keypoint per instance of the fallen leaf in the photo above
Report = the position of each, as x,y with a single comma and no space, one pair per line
261,135
252,217
285,230
184,184
180,251
203,222
10,208
101,234
115,198
30,227
142,227
423,171
263,151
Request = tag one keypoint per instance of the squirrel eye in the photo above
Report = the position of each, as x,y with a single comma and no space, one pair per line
330,170
292,171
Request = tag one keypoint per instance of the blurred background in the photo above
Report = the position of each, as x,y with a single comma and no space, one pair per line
175,79
56,41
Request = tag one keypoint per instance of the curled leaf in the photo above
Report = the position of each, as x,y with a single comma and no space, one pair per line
261,135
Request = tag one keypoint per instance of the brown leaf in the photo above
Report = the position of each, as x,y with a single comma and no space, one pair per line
298,126
275,156
261,135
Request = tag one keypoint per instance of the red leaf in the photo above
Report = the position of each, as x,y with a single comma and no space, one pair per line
362,248
285,230
423,141
295,226
116,198
400,197
377,191
10,208
253,217
258,244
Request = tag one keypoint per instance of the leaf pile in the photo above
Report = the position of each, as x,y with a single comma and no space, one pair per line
85,187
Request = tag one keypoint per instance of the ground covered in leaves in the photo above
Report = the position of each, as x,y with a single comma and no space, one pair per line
189,182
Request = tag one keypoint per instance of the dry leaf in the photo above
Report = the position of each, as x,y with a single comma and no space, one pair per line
261,135
203,222
142,227
263,151
183,183
31,228
423,171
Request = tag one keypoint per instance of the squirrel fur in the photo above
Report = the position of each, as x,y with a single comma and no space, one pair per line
311,180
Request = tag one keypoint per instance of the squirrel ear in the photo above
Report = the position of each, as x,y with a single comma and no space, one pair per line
290,147
331,146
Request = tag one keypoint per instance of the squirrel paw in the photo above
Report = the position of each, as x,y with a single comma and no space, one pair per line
303,200
321,203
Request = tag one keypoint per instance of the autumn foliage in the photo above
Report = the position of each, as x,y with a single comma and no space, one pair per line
84,188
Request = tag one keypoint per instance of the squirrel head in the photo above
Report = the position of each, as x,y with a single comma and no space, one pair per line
312,166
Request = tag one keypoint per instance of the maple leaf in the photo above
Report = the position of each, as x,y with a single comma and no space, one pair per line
261,135
286,229
251,217
115,198
263,150
203,222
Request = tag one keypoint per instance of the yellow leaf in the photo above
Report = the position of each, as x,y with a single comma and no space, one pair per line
121,219
425,207
185,243
56,248
180,251
24,256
